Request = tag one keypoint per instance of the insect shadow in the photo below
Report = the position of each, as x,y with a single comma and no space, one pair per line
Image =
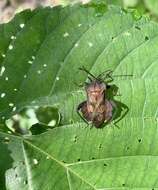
121,109
101,108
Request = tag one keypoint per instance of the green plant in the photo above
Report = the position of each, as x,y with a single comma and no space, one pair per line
41,52
152,5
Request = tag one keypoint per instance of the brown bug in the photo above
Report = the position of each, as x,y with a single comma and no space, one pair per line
97,109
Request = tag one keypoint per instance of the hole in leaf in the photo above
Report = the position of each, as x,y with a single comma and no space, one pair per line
128,148
105,164
112,37
90,44
11,104
22,25
93,158
16,175
75,138
100,145
35,161
139,140
23,163
33,57
66,34
78,159
3,95
123,184
146,38
6,140
48,115
137,27
25,182
10,47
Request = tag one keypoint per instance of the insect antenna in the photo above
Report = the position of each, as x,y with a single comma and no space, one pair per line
105,73
122,75
108,74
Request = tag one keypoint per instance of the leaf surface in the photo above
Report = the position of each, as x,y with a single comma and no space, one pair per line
43,68
152,5
77,157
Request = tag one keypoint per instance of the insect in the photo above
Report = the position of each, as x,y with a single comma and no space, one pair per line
97,109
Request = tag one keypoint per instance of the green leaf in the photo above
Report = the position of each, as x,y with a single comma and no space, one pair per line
61,40
9,31
152,5
77,157
74,156
130,3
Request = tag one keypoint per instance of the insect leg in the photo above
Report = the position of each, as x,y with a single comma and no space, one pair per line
108,77
78,111
109,80
90,79
103,73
